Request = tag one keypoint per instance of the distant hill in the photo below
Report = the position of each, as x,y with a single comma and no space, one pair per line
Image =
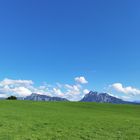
38,97
137,102
103,98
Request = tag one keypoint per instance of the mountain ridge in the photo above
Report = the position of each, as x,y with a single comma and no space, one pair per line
39,97
92,96
103,98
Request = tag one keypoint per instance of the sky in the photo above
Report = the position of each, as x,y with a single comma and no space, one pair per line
67,48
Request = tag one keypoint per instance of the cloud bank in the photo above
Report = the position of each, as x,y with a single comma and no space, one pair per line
126,90
74,92
22,88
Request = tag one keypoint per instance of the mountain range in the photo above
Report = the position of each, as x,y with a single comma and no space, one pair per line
38,97
90,97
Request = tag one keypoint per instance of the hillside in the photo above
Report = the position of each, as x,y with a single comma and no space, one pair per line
28,120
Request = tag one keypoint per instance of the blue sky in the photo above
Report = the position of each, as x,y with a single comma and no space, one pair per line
51,41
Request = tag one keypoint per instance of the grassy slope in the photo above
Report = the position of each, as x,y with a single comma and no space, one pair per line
25,120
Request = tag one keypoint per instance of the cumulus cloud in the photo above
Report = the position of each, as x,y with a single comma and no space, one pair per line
7,81
126,98
126,90
21,91
73,90
58,92
81,80
86,91
3,96
15,87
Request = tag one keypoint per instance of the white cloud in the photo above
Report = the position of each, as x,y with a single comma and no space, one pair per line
7,81
22,88
3,96
58,92
15,87
72,89
86,91
126,98
21,91
18,91
126,90
81,80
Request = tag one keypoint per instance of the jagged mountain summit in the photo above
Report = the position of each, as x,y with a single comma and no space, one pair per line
38,97
102,98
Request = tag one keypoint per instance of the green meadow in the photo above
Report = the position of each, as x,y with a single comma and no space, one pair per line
27,120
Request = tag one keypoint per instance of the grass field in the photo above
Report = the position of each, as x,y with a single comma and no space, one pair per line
26,120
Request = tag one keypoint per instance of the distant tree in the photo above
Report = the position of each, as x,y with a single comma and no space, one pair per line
12,98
